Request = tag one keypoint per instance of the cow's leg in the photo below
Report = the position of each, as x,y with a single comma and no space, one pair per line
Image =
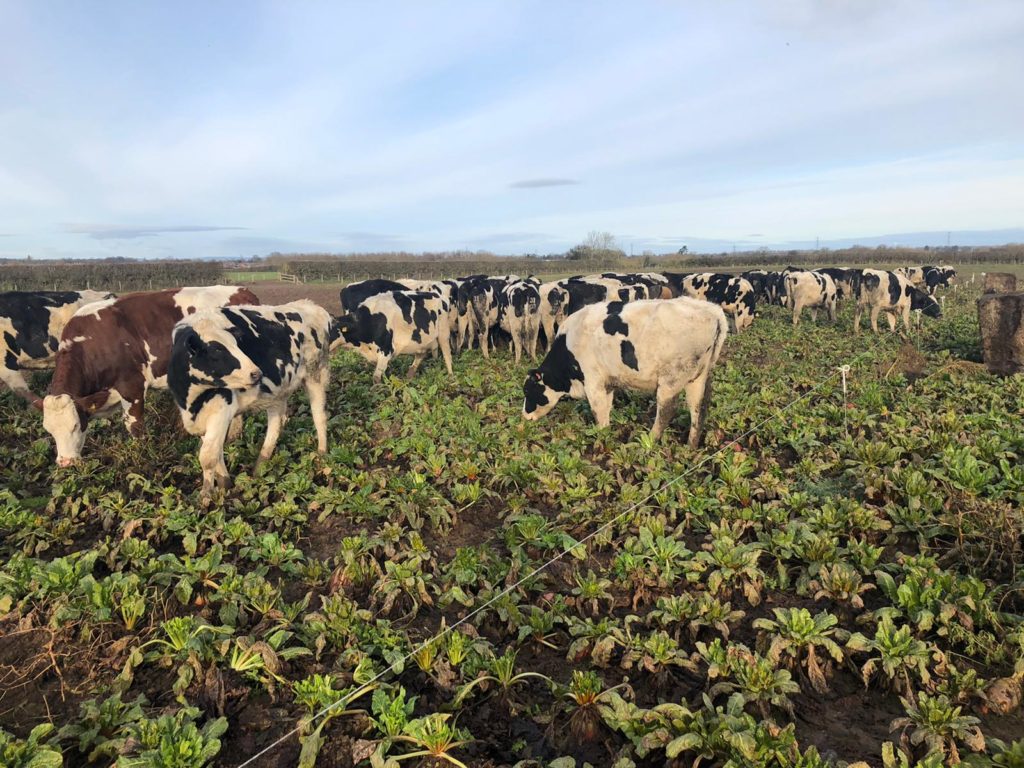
600,399
797,309
517,344
132,410
548,323
446,354
814,314
874,317
415,366
832,307
906,317
857,312
668,400
316,387
235,429
11,375
698,398
211,452
484,333
276,414
890,318
382,366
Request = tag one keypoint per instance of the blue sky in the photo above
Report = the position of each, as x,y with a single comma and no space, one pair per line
238,128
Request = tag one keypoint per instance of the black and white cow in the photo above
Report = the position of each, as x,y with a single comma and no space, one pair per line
665,347
398,323
846,281
484,296
810,290
447,290
464,307
657,284
554,304
892,293
937,277
31,323
235,359
354,294
518,315
733,294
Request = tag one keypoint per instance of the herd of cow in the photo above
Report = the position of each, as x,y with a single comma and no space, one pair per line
221,353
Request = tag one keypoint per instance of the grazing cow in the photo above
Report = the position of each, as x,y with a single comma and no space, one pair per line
518,315
398,323
466,329
664,347
846,281
31,323
733,294
810,290
483,296
937,277
112,351
354,294
893,294
234,359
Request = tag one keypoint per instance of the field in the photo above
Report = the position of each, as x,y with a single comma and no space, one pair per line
831,579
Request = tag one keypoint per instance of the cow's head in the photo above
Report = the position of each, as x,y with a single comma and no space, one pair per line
217,360
559,375
66,419
922,301
343,331
539,397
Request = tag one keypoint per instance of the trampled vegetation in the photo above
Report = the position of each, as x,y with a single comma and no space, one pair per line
842,584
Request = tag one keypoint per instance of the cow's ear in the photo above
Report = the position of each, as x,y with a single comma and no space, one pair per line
92,403
193,343
534,374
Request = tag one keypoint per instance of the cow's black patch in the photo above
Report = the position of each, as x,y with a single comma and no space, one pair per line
11,361
355,294
628,353
365,327
558,371
29,315
895,290
267,343
582,294
206,396
613,322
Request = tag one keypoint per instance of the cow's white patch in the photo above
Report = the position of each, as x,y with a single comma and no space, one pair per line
94,308
60,419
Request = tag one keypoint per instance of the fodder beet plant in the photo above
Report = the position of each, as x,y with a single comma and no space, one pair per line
450,584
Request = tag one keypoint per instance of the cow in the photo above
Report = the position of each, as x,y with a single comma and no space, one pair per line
227,361
733,294
554,303
665,347
397,323
111,352
353,294
447,290
893,294
483,297
937,277
31,323
657,285
518,315
811,290
846,281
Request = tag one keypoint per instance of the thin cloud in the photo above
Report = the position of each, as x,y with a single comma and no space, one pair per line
107,232
541,183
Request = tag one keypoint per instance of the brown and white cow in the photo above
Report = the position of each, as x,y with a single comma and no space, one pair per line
112,351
